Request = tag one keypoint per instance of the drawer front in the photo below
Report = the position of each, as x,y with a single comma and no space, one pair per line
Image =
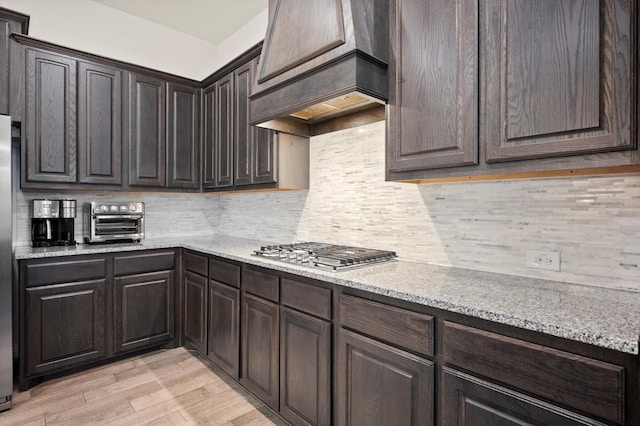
195,263
592,386
224,272
130,264
306,298
407,329
64,271
261,284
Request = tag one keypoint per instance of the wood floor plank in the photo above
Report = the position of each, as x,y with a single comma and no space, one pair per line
165,387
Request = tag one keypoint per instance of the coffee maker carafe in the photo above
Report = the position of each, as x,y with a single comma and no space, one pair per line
53,223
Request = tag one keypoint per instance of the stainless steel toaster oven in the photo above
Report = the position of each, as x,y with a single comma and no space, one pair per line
114,222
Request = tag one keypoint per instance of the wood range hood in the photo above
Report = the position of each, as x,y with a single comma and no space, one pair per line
323,66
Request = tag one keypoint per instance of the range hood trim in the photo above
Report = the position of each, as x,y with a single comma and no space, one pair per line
359,73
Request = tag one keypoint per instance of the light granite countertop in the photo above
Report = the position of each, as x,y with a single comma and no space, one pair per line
603,317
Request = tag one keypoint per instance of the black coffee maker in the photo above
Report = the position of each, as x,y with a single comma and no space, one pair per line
53,223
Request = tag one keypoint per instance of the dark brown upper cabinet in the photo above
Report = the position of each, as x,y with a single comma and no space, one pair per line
433,89
254,146
147,131
218,134
50,135
559,82
183,166
99,124
10,22
511,88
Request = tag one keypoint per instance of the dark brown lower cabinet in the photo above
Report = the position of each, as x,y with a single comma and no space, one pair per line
305,368
195,312
224,327
64,325
260,348
378,384
144,312
468,400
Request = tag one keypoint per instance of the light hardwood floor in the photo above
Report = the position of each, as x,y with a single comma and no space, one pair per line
166,387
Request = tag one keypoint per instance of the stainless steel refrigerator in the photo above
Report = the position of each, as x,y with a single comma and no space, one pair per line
8,185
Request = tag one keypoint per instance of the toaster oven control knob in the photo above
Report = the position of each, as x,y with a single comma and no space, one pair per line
123,209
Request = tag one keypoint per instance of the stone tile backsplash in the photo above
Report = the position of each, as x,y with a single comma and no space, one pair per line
593,221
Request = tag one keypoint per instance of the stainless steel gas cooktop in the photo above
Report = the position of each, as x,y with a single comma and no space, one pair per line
325,255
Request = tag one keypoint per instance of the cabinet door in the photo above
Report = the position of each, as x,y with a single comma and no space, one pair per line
64,325
218,134
195,313
260,343
5,32
466,400
254,146
50,118
183,169
305,372
99,124
224,327
380,384
433,90
147,132
557,78
143,310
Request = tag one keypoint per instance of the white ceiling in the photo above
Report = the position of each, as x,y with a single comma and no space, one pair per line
210,20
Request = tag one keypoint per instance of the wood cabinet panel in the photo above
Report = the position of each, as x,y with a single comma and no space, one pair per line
147,131
433,84
467,400
195,312
65,325
63,270
218,134
183,168
5,32
557,78
254,146
51,87
261,283
585,384
195,263
224,272
407,329
260,349
99,124
141,262
224,327
144,311
379,384
305,368
309,298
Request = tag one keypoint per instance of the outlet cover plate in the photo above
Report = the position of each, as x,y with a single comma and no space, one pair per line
549,260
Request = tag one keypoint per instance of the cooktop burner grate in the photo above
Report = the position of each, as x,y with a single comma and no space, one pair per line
325,255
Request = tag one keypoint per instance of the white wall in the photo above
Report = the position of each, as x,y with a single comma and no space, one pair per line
95,28
250,34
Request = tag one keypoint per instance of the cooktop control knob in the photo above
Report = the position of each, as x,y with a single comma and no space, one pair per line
133,208
114,209
123,209
104,208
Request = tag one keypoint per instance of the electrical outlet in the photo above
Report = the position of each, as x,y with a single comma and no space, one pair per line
549,260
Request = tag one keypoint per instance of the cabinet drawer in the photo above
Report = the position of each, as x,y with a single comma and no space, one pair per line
224,272
261,284
407,329
195,263
306,298
64,271
143,262
592,386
